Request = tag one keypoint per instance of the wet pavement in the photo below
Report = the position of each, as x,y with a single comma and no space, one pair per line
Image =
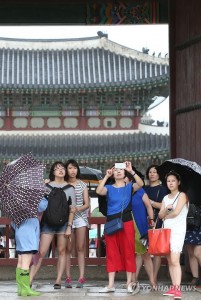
90,291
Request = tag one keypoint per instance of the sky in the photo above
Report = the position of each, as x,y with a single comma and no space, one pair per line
153,37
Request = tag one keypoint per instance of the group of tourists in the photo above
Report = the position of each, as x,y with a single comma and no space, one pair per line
61,215
138,207
149,205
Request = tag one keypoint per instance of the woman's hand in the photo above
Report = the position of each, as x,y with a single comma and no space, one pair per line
109,172
169,207
128,166
68,232
46,181
152,223
73,209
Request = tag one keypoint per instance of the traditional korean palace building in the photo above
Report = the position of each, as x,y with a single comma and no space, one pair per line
58,96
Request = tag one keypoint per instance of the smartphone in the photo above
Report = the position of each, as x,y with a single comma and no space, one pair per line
120,165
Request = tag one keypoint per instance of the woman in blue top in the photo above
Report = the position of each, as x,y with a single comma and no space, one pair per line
143,217
120,248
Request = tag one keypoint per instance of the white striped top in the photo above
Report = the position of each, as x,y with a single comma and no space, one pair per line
79,189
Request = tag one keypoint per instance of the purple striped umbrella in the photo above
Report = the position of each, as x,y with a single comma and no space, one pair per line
21,188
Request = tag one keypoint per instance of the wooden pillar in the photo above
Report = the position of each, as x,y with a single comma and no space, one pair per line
185,65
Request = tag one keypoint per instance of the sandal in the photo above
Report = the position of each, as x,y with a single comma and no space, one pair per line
57,286
196,281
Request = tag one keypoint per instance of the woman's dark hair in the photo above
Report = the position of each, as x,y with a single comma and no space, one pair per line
55,164
174,173
149,168
74,163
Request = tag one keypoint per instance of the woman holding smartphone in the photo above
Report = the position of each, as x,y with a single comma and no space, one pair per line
120,247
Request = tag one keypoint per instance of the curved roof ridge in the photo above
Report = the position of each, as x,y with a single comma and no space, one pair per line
129,52
48,40
49,44
79,43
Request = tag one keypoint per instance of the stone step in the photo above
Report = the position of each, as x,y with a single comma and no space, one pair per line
92,272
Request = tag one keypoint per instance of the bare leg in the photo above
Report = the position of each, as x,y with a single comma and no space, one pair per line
139,262
175,268
61,246
171,270
68,255
148,264
193,262
197,253
156,266
80,235
111,276
45,242
24,261
129,276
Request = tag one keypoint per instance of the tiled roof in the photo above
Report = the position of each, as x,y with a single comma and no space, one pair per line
76,63
64,146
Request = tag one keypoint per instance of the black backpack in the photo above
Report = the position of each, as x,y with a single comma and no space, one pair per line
102,203
194,217
57,211
102,200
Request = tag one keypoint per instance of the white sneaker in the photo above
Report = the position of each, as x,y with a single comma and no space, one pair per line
107,290
135,288
130,288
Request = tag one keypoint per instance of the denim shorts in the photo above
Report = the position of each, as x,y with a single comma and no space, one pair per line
45,228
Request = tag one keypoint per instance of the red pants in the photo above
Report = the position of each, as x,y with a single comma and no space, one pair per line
120,249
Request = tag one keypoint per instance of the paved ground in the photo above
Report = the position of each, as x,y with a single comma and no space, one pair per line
90,291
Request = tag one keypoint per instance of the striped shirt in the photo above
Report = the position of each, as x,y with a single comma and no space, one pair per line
79,191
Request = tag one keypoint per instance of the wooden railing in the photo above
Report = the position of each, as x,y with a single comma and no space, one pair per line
98,260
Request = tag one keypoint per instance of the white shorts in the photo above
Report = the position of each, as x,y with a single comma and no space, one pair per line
79,222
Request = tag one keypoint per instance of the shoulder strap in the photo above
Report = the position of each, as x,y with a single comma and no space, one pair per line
124,196
158,193
67,186
49,186
176,198
172,204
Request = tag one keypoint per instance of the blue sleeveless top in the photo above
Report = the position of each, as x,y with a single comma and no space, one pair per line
140,212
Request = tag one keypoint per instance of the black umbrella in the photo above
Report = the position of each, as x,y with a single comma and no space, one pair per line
21,188
90,175
190,173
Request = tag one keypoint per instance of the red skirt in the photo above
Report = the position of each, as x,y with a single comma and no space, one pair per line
120,250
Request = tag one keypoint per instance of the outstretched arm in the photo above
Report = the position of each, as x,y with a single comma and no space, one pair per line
138,181
101,190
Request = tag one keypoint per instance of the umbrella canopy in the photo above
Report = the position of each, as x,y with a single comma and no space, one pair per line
190,173
90,175
21,188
